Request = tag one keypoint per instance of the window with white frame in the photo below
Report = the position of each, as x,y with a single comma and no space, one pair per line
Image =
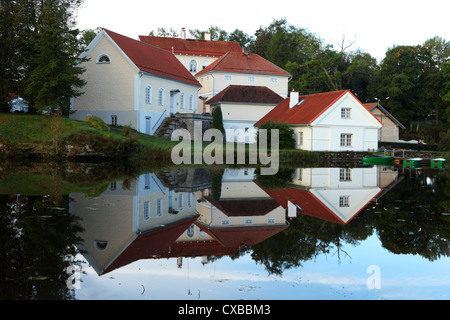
146,212
180,201
148,94
161,96
251,79
345,174
182,100
159,207
346,139
193,66
103,58
191,102
346,113
344,201
273,80
147,181
227,77
300,138
189,204
190,231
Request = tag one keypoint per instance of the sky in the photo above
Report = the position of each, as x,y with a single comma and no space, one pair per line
373,26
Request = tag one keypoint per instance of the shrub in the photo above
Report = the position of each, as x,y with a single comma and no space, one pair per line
287,140
96,122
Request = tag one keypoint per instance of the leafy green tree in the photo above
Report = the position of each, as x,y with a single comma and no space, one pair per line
218,120
241,37
39,49
286,134
54,72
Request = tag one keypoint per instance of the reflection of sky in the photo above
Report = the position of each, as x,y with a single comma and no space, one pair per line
326,277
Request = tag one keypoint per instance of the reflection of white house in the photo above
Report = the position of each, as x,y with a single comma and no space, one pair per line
125,224
331,121
332,194
130,82
244,215
242,107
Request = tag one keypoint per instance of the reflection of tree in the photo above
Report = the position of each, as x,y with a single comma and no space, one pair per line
305,239
408,220
37,237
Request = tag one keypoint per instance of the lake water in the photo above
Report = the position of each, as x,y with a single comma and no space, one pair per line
198,234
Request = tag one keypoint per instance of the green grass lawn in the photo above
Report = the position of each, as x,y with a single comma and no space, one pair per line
30,129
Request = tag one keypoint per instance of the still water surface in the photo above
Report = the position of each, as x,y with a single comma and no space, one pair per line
198,234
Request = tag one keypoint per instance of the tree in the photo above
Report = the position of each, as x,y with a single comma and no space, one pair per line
218,120
286,134
239,36
16,23
413,79
54,69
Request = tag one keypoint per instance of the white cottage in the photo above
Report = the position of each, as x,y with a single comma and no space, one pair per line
331,121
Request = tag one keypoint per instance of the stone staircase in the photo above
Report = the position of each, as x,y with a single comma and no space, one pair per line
167,126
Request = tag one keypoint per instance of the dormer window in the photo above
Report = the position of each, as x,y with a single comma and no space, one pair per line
193,66
103,58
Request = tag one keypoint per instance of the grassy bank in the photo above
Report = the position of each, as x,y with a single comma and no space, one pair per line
57,137
52,138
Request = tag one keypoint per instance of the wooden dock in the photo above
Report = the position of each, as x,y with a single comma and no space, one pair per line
414,160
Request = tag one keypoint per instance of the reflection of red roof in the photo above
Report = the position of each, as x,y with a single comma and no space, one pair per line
310,205
155,242
227,241
246,94
238,62
152,59
193,46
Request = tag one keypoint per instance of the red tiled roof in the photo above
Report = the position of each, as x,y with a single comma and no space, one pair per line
192,46
369,106
246,94
309,108
152,59
238,62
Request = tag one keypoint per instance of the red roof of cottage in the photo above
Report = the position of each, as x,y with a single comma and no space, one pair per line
246,94
192,46
153,60
308,109
238,62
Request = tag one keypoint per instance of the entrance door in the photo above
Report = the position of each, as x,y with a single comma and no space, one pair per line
172,103
147,125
